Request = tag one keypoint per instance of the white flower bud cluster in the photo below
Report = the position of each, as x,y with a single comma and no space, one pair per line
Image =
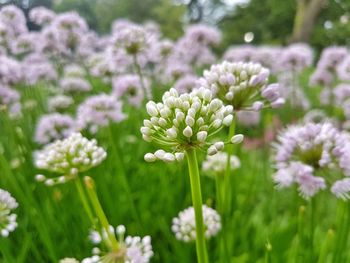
184,226
137,249
242,85
216,165
7,219
70,156
184,121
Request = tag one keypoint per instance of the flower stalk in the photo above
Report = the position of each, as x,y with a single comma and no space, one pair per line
84,200
139,73
201,249
91,190
342,232
228,184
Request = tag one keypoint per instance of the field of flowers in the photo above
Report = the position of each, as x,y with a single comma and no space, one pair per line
130,147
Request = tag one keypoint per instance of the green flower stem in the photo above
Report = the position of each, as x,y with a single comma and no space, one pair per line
139,73
84,200
90,187
219,185
301,237
202,255
228,178
326,247
342,232
227,187
268,249
312,229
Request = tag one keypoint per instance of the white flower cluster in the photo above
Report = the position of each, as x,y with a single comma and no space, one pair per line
242,85
184,226
69,156
216,164
59,103
184,121
137,249
7,219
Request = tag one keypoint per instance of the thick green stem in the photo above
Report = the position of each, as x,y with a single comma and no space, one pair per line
228,194
202,256
90,187
83,199
229,183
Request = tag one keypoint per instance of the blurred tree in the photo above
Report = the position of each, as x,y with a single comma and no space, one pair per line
306,15
27,4
272,22
162,11
170,18
86,8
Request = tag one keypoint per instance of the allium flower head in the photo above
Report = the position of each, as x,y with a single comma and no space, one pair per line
53,127
186,84
59,103
215,165
35,68
341,93
7,218
242,85
304,151
41,15
137,249
315,116
321,77
70,156
10,70
25,43
184,121
132,38
13,17
248,118
176,69
129,86
296,57
99,110
244,53
74,85
343,69
203,34
331,57
74,70
184,226
267,56
10,101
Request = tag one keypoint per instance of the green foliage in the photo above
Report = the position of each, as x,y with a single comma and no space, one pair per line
271,21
